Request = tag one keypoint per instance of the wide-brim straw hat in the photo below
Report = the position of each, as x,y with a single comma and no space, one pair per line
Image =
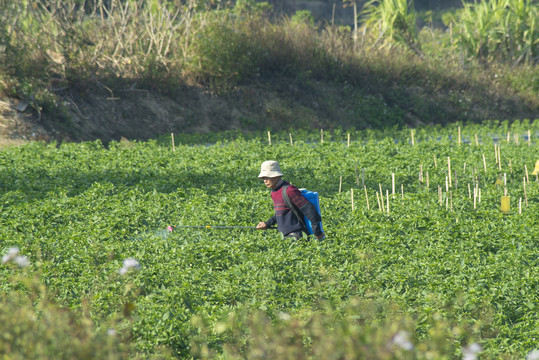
270,169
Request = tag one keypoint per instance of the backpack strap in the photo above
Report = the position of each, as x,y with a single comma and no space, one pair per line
294,209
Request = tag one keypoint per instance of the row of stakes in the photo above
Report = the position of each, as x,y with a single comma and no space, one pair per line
505,199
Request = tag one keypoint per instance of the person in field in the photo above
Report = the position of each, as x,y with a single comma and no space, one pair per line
287,222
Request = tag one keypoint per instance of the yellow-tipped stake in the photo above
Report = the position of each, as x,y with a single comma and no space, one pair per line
536,170
505,204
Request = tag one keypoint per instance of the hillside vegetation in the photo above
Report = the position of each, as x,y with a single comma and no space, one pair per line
138,68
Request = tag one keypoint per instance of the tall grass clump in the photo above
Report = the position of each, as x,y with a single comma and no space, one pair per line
391,22
498,31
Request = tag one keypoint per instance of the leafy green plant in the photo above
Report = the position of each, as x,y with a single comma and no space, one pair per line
446,270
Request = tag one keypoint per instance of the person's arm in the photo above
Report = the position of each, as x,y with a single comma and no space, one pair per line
264,225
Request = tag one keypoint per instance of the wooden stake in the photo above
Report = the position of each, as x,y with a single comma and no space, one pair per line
496,153
363,177
520,206
382,199
387,197
269,137
446,201
340,184
393,184
321,136
476,141
508,137
469,192
446,184
378,198
484,162
504,180
412,132
291,142
348,143
402,191
367,198
529,138
526,170
479,195
173,145
449,170
427,179
474,198
499,158
525,194
459,135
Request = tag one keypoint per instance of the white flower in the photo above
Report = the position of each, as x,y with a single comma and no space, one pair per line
111,332
12,252
129,264
13,256
533,355
22,261
284,316
402,340
470,352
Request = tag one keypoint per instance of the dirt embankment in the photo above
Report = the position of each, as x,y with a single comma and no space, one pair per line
99,112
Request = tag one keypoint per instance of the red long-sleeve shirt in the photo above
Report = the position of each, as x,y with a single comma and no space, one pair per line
285,219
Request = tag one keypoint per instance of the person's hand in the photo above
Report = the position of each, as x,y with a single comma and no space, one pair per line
321,236
261,226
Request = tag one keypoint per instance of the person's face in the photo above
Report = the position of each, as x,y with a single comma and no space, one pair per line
271,182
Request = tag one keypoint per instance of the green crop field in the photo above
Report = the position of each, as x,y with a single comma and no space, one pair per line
429,258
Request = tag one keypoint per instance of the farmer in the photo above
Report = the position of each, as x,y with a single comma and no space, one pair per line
287,222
